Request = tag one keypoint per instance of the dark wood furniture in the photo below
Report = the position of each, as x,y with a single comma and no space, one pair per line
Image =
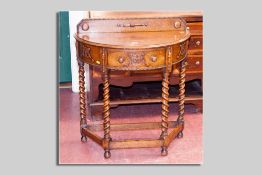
133,45
128,78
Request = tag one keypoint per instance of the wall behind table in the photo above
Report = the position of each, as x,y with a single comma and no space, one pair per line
64,48
74,18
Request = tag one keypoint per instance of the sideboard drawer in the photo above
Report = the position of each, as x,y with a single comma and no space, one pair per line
196,42
194,63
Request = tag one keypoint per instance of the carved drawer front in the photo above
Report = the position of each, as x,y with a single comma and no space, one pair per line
195,63
196,42
135,59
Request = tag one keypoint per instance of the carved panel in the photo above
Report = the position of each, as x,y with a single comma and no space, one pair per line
84,51
182,50
136,59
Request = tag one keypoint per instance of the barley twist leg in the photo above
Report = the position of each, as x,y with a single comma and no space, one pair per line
82,98
181,96
164,116
106,113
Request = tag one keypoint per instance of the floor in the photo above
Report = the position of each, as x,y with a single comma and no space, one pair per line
187,150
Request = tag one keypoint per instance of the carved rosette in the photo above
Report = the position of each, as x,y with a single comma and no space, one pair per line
136,59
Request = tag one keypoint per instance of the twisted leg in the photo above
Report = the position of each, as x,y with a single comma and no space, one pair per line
106,114
82,98
164,116
181,96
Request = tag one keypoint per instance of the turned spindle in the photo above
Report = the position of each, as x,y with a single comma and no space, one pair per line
82,98
165,99
181,96
106,108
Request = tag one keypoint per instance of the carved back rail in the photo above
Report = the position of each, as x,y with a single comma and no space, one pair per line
131,25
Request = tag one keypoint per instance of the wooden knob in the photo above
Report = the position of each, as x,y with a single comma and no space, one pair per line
177,24
198,43
121,59
85,26
153,58
85,37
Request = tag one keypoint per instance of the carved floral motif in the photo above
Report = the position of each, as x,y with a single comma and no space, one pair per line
182,50
136,58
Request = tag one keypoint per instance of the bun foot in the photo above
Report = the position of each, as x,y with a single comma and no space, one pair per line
180,135
83,139
107,154
164,151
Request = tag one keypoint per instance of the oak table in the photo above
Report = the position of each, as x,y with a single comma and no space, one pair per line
133,44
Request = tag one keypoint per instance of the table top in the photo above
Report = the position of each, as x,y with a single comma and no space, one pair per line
133,32
134,39
132,43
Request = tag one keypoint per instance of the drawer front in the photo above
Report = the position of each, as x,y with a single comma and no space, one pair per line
155,58
131,59
196,42
196,28
194,63
136,59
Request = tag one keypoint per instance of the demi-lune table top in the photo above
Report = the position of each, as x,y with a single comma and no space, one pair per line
132,43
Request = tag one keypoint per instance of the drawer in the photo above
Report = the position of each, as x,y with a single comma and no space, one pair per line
196,28
155,58
196,42
194,63
136,59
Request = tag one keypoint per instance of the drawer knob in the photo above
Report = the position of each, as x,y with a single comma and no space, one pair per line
197,43
153,58
177,24
121,59
197,62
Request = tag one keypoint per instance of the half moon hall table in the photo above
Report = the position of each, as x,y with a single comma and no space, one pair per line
133,44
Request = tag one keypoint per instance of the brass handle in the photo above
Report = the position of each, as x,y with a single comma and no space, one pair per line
198,43
153,58
131,25
121,59
197,62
